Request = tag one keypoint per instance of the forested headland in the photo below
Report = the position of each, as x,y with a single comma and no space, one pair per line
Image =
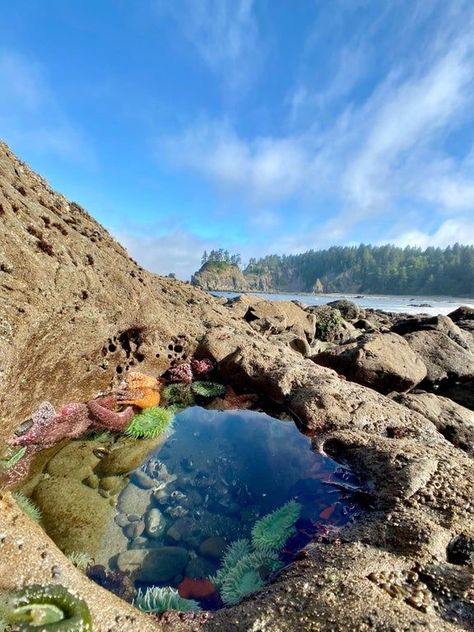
364,269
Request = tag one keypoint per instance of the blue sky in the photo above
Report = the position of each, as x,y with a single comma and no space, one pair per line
254,125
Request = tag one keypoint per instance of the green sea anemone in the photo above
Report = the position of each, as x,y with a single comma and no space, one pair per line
233,554
209,390
248,575
150,423
27,506
178,395
12,458
46,608
273,530
80,560
158,600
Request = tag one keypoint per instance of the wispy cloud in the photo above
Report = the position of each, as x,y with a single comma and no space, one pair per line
31,115
223,32
381,156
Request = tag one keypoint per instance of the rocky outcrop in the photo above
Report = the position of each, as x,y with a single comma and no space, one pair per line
453,421
77,313
383,361
445,360
444,324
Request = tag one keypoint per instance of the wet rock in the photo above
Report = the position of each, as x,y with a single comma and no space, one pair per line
134,530
112,484
174,534
199,568
461,550
154,565
443,358
133,500
384,362
127,457
74,515
213,547
155,523
121,519
76,460
143,480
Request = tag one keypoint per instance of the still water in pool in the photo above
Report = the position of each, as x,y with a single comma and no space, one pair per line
209,485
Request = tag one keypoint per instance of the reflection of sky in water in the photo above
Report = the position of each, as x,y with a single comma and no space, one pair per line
208,484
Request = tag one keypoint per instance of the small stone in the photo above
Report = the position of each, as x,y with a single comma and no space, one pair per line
134,530
213,547
154,565
155,523
174,534
121,519
143,480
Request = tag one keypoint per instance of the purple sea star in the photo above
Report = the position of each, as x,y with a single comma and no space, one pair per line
202,367
104,417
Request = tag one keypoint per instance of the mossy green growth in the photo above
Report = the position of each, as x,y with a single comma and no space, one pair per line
155,599
209,390
12,457
151,423
27,506
273,530
179,395
48,608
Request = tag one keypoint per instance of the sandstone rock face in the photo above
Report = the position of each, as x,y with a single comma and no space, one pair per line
444,359
282,316
455,422
75,310
384,362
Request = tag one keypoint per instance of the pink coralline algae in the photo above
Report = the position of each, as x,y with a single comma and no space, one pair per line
106,418
181,373
202,367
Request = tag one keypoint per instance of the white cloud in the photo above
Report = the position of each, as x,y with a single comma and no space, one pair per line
31,115
451,231
177,251
264,170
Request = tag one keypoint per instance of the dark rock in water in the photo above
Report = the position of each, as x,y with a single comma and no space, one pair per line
155,523
187,465
200,567
162,564
213,547
117,582
143,480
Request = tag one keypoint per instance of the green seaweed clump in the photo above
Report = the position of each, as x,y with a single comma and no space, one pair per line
150,423
45,608
209,390
179,395
27,506
158,600
12,458
273,530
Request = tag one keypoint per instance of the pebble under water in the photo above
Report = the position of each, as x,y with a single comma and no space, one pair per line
207,486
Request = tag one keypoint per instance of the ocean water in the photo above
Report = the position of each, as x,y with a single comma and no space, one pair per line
431,305
209,483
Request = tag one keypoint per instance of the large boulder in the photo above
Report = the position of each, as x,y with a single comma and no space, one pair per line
330,326
275,317
348,309
433,323
454,422
384,362
445,360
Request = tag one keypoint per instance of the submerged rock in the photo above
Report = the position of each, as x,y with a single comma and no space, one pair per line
155,523
154,565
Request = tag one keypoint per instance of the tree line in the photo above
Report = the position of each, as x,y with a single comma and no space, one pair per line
377,269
